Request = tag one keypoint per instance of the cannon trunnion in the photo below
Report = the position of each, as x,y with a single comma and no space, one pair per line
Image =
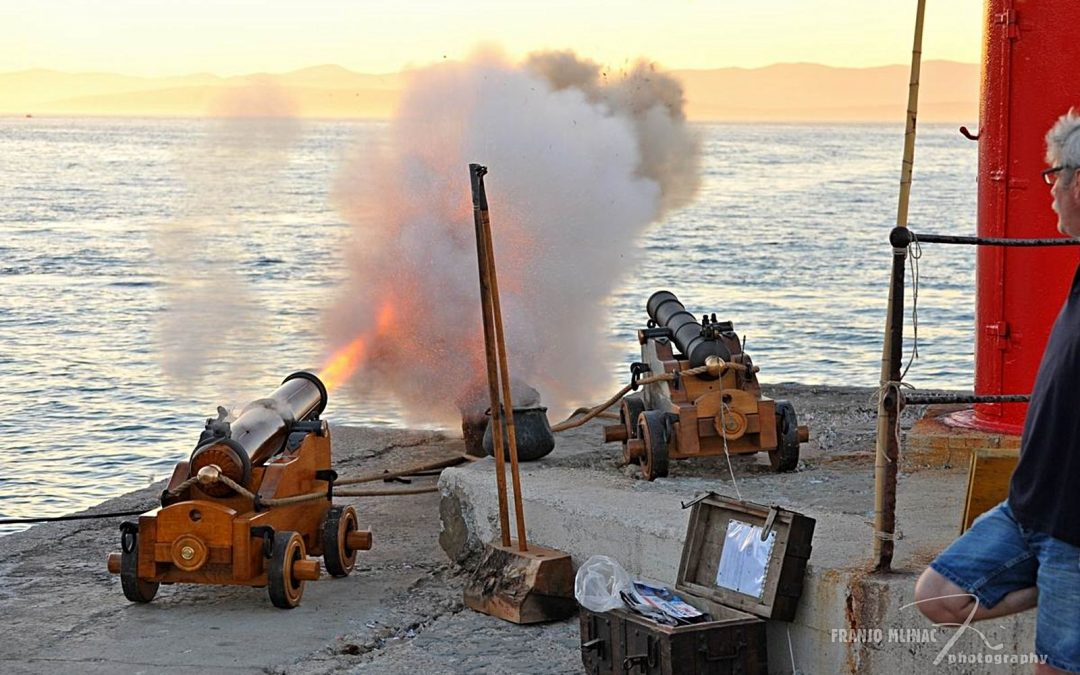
719,408
226,517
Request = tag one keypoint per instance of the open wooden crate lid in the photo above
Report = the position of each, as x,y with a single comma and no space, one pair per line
726,561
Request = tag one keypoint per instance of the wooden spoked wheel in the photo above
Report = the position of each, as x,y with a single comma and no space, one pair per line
652,428
339,558
630,409
281,582
786,455
135,589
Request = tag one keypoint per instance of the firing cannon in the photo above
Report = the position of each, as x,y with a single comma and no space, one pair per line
706,399
249,506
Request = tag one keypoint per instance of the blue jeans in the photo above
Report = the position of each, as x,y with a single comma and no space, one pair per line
997,556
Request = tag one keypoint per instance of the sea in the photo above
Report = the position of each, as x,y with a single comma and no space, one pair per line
787,238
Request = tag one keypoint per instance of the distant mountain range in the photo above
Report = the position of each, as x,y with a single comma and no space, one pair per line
783,92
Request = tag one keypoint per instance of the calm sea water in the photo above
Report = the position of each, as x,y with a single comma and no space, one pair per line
787,238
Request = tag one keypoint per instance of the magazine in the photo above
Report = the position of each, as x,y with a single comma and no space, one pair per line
661,605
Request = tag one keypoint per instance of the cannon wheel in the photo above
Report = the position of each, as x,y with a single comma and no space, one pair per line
339,558
135,589
652,428
285,589
786,455
629,411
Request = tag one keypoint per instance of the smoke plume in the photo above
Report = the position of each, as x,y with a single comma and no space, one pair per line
581,162
211,312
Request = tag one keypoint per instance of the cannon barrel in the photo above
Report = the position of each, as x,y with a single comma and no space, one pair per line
666,310
260,430
263,424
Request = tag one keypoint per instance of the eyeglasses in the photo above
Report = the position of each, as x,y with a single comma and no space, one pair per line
1050,175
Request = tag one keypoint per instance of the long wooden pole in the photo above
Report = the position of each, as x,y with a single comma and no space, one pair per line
480,219
504,376
908,163
888,421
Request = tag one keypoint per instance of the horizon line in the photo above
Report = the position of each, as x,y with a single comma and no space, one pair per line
407,69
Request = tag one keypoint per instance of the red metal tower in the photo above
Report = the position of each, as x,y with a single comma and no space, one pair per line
1029,79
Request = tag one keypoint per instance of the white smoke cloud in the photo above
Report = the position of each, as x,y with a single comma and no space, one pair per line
581,162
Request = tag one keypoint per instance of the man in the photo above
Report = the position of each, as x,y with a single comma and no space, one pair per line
1025,552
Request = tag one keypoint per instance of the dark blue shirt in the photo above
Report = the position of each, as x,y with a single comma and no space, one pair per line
1044,493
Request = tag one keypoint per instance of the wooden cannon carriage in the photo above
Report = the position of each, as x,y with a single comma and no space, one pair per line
249,506
710,401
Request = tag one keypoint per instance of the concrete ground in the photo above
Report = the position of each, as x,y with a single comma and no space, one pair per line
401,610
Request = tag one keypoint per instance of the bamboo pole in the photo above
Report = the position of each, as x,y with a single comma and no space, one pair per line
504,375
480,219
908,163
888,421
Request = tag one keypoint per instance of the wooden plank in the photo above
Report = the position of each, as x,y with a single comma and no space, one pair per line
988,481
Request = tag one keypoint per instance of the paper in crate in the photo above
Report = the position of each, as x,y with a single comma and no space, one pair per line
744,560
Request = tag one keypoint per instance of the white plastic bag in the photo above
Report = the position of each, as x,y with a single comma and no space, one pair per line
598,583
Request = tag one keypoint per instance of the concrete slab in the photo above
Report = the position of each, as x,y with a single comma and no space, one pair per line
64,613
579,500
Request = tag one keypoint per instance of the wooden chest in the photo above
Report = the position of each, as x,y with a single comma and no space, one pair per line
742,563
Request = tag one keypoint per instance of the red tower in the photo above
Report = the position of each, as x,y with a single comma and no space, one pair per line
1029,79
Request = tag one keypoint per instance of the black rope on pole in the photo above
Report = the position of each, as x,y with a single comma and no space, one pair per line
992,241
53,519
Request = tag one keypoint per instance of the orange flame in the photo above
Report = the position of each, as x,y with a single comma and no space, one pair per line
385,320
343,363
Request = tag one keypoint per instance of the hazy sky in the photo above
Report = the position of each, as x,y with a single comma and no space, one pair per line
227,37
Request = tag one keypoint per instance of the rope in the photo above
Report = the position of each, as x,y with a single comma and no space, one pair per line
313,496
791,652
915,252
723,435
182,486
323,494
572,422
282,501
385,493
888,536
54,519
409,471
897,387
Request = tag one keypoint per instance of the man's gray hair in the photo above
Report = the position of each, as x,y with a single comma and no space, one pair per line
1063,141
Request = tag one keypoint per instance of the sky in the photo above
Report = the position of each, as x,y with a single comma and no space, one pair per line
233,37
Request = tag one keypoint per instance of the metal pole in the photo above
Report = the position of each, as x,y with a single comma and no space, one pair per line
888,421
480,218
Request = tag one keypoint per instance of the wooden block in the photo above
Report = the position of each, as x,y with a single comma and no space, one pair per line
523,586
988,481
